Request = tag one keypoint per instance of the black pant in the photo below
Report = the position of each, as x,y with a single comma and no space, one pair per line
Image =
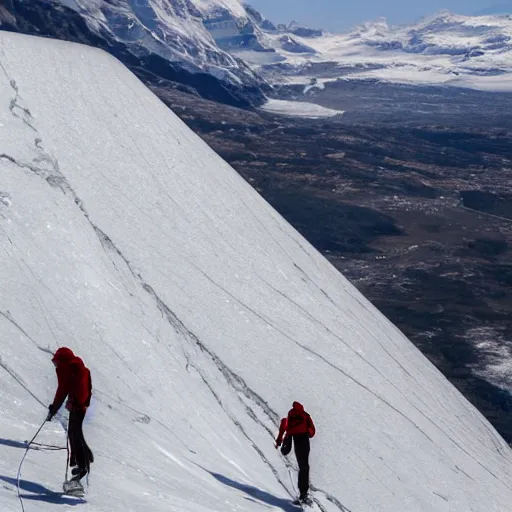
301,445
81,454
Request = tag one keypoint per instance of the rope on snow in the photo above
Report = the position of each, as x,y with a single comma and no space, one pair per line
18,477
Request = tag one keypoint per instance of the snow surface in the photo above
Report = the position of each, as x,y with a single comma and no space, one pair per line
202,314
299,109
320,86
235,7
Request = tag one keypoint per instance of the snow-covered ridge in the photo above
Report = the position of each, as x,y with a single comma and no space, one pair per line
202,314
446,48
173,29
165,39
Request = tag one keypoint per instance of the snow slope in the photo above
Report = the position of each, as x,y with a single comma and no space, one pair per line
202,314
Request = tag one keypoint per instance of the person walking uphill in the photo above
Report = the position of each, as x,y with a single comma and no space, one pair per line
297,427
74,382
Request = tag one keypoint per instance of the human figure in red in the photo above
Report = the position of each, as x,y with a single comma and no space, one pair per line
298,428
74,382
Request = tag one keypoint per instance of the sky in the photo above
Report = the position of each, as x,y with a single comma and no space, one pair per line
202,314
339,15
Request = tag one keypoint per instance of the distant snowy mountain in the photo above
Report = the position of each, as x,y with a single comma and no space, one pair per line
443,49
196,43
159,39
202,315
253,32
229,52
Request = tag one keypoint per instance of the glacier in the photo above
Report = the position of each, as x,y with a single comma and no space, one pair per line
202,315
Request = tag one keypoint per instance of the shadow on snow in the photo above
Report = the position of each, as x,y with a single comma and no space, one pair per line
284,504
12,443
41,493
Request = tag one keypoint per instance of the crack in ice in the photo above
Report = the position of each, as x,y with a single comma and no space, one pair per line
14,104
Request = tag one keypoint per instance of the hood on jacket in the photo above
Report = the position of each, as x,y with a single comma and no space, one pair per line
298,406
63,354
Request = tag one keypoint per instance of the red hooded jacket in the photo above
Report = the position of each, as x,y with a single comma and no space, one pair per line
74,381
297,422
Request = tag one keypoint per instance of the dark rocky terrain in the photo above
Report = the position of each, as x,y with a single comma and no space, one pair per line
418,215
371,101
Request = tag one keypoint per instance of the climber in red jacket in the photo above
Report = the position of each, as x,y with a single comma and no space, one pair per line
74,382
299,428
